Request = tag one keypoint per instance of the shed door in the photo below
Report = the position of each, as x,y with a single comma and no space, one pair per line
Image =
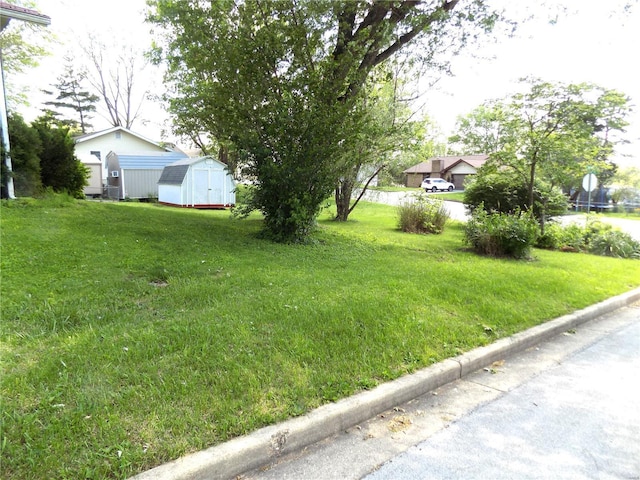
200,186
208,187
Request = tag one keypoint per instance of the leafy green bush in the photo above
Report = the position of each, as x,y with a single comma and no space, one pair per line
571,238
614,243
596,237
422,214
500,234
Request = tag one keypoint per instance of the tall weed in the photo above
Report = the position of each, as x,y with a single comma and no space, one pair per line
422,214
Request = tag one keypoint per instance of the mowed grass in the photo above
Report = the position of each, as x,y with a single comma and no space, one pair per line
133,334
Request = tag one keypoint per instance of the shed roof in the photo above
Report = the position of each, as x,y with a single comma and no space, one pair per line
174,173
150,160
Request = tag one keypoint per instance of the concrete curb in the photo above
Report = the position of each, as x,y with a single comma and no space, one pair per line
263,446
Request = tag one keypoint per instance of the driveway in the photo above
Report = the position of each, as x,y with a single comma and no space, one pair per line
457,211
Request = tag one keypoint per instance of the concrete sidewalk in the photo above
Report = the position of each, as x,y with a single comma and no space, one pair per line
274,445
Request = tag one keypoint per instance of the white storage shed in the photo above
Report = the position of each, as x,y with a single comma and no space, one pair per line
202,182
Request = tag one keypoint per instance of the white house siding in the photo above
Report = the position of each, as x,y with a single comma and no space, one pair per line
463,169
111,141
459,174
94,165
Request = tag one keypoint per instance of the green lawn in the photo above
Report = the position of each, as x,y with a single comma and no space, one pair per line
133,334
451,197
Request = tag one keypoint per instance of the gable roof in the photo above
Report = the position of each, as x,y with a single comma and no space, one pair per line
448,161
174,173
148,160
91,136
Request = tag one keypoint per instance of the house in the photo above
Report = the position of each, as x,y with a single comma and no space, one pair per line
452,168
136,175
114,139
197,183
93,163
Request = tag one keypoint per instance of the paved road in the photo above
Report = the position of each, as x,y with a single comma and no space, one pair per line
578,420
567,409
457,211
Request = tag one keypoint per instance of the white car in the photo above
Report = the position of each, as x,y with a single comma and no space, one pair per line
435,184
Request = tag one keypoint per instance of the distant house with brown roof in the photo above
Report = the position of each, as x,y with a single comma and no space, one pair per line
452,168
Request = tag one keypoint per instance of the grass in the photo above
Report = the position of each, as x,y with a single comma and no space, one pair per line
133,334
394,188
451,197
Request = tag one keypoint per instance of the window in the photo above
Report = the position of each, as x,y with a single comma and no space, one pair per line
96,153
118,135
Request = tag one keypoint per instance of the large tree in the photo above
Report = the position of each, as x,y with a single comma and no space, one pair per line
116,78
72,95
283,81
552,132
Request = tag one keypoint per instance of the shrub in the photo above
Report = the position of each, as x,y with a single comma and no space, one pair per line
614,243
596,237
552,237
571,238
500,235
422,215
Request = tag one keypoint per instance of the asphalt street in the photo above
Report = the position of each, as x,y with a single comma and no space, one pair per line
568,408
577,420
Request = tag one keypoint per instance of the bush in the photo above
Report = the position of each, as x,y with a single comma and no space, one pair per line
596,237
552,237
422,215
571,238
614,243
501,235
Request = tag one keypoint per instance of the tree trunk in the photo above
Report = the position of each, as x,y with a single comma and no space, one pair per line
344,191
532,179
343,199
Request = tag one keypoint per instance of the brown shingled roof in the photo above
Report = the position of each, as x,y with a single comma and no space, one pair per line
9,11
448,161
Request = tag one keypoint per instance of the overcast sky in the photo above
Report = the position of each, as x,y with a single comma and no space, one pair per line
588,44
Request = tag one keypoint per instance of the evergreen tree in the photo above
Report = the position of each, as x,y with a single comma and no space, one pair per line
72,96
25,146
59,167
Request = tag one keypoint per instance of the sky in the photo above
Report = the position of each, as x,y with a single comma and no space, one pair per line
586,43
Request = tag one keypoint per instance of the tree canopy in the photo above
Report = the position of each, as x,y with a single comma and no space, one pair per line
282,80
553,132
72,95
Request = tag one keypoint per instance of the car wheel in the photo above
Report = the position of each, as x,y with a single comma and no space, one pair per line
450,188
434,189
